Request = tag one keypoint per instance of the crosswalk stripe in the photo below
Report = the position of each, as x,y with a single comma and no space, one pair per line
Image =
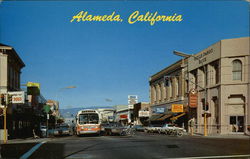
32,150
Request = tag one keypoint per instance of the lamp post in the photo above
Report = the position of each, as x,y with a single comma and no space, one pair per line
204,88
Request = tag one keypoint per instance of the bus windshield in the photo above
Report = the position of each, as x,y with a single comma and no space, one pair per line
88,119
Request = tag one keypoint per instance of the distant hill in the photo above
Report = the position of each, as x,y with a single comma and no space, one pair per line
71,112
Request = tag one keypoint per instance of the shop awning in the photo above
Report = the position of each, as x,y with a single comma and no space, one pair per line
155,117
178,116
165,117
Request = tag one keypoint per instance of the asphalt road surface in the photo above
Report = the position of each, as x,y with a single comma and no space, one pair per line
140,146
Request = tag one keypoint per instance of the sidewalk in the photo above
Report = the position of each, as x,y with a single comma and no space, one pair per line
224,136
27,140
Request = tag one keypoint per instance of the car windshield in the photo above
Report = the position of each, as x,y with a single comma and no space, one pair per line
88,119
62,126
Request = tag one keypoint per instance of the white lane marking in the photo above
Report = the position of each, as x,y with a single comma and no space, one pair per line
227,156
32,150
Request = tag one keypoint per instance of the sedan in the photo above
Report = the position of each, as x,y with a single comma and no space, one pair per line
63,129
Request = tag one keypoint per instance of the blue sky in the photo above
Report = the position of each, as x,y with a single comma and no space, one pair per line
110,59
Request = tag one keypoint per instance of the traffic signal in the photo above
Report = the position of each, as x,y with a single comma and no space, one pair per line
166,80
3,101
206,107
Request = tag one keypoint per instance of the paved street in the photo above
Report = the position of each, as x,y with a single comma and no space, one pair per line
146,146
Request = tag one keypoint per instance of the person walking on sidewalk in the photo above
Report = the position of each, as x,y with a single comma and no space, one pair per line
34,134
191,126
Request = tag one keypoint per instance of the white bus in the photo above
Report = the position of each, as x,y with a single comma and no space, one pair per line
88,122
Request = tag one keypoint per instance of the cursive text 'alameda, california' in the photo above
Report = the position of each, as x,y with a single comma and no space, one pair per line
135,17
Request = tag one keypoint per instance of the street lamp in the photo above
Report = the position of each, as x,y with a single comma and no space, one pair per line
178,53
68,87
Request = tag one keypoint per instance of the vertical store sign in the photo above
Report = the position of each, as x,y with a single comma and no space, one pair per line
193,98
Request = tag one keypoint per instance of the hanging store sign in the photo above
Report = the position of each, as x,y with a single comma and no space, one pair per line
177,108
193,98
17,97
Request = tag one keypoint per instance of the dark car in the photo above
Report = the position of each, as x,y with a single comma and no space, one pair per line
63,129
115,129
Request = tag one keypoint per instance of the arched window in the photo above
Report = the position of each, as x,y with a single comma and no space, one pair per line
237,70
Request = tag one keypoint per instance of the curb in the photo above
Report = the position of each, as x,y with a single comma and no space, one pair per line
28,140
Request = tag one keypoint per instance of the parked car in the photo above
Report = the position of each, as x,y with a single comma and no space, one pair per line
117,129
170,129
152,128
63,129
106,128
139,128
43,130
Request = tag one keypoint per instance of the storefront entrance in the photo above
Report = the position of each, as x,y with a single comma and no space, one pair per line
237,123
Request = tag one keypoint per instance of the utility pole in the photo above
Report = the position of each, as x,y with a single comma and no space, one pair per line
47,124
204,88
5,117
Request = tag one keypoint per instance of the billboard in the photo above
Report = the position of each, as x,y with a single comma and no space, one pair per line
132,99
33,88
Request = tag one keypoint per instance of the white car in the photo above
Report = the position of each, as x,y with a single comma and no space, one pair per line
170,129
152,128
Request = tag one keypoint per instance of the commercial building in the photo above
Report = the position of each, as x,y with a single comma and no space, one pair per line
122,114
106,114
54,113
10,71
221,75
168,88
141,113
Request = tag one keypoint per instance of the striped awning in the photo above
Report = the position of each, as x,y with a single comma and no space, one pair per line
178,116
155,117
165,117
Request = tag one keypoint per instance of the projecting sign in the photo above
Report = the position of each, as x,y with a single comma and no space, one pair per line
17,97
193,98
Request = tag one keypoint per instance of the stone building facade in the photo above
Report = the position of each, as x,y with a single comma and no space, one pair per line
167,87
220,73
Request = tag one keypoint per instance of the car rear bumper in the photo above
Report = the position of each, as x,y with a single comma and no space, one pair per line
88,132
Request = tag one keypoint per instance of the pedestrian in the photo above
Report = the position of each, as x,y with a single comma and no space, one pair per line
34,134
191,126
